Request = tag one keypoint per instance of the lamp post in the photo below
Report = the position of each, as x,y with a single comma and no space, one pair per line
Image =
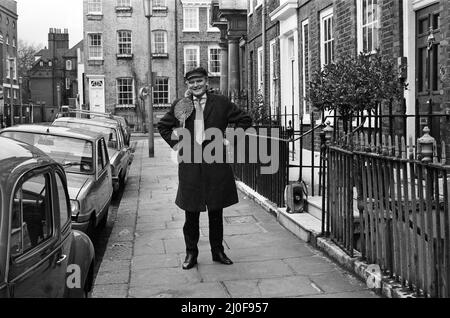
20,99
11,61
151,142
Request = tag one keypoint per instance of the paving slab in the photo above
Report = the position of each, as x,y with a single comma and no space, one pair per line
146,248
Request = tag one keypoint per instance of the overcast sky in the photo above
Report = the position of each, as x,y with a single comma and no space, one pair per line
36,17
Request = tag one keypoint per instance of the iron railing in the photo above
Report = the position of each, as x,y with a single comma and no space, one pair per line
404,221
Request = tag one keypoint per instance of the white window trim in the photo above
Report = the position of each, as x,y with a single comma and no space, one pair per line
324,14
69,62
154,42
118,42
216,74
359,23
96,12
260,57
259,3
132,91
271,76
198,20
210,27
306,115
187,47
168,92
102,55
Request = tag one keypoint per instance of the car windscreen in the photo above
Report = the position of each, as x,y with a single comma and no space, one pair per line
110,134
76,155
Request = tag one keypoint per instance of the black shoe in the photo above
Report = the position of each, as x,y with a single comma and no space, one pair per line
190,261
220,257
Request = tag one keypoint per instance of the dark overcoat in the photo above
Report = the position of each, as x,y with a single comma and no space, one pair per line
205,186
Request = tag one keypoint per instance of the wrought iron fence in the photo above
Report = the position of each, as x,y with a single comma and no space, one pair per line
270,185
402,199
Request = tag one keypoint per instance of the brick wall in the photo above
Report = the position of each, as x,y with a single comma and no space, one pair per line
203,39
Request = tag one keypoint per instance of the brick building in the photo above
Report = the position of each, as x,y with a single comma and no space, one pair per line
8,61
116,57
53,78
198,42
312,33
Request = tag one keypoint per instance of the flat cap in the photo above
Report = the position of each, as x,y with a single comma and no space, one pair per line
197,72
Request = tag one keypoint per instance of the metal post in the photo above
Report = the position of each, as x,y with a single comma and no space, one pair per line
20,100
11,60
151,143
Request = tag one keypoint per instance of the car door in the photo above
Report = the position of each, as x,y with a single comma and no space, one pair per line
102,177
36,266
63,217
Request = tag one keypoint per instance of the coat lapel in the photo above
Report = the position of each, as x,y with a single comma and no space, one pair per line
208,107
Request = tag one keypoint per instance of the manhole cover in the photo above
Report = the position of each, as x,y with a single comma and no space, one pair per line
240,219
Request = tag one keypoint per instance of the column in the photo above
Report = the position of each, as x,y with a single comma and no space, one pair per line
224,67
233,65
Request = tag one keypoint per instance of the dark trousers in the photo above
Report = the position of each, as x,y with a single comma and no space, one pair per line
192,231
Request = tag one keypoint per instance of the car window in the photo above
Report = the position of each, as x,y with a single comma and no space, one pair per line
101,162
76,155
108,133
32,219
64,215
105,151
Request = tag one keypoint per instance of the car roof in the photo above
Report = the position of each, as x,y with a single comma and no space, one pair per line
18,157
57,131
97,121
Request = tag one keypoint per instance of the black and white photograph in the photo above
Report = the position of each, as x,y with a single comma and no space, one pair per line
233,156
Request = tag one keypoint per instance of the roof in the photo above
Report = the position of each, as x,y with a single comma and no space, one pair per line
98,121
73,51
56,131
17,157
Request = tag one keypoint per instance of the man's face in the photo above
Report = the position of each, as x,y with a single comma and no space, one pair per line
197,85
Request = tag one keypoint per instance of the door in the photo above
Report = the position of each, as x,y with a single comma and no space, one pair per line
35,254
429,62
97,95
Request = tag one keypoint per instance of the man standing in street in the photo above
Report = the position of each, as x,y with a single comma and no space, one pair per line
204,186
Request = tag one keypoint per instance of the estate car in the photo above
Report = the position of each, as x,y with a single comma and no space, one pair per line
85,159
120,155
40,254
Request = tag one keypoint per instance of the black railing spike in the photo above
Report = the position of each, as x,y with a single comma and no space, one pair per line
396,147
444,154
403,145
411,148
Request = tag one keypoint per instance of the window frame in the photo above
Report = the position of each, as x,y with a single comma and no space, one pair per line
190,47
156,91
25,256
305,68
63,226
69,65
260,75
326,15
197,19
95,3
154,42
121,5
210,28
214,74
126,41
95,58
375,24
118,92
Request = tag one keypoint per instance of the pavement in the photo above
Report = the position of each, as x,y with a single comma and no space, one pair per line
145,249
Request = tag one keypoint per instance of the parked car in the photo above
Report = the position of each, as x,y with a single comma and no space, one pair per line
125,128
39,251
121,156
85,159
